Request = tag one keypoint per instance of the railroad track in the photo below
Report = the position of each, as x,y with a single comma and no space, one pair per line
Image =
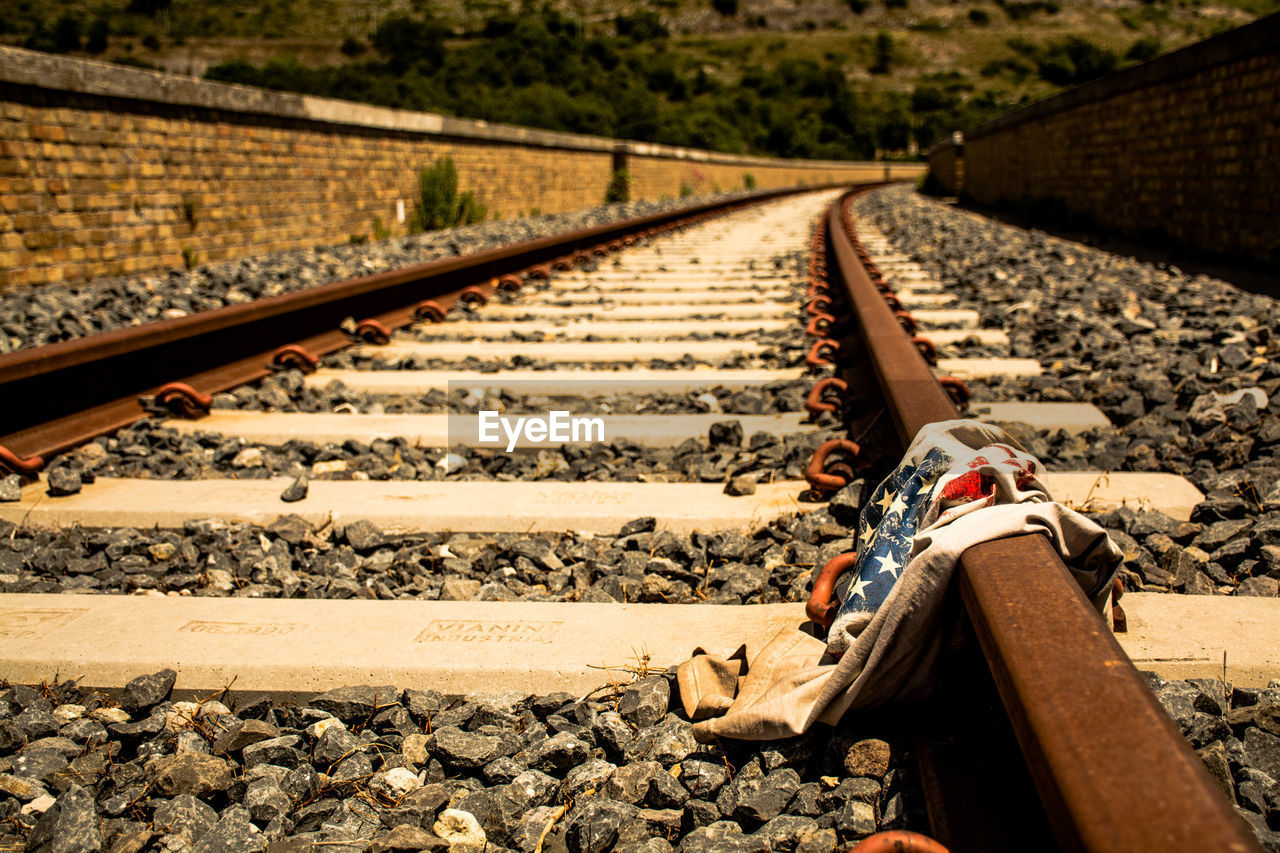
697,345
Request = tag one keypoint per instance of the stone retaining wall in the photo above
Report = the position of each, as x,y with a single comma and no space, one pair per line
946,167
107,170
1185,148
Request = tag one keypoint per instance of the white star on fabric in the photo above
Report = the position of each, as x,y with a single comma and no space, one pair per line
888,564
868,534
858,586
886,499
898,505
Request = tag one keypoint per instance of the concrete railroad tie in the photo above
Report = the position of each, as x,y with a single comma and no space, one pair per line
400,506
286,646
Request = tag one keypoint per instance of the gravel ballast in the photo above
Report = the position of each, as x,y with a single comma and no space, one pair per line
383,769
379,768
47,314
148,450
286,392
389,769
151,451
1160,352
292,559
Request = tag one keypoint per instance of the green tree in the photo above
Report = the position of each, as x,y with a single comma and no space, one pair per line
1144,49
538,69
99,32
406,41
150,8
40,39
884,53
1074,60
66,33
641,26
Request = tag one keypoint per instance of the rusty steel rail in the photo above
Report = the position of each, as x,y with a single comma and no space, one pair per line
1112,772
64,394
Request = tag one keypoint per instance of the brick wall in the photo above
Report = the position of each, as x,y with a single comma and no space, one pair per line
658,176
107,170
946,167
1185,148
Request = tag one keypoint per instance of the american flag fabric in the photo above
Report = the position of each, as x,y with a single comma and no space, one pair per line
945,473
960,483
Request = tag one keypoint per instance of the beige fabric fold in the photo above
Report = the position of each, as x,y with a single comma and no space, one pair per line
708,683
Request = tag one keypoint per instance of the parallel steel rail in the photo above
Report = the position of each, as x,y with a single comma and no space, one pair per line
1112,772
65,394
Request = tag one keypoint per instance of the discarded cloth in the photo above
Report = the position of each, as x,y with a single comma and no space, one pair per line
960,483
708,683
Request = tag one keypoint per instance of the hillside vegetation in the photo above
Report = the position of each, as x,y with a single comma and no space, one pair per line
795,78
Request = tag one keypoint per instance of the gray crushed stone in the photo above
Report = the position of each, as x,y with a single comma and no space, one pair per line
1150,347
47,314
